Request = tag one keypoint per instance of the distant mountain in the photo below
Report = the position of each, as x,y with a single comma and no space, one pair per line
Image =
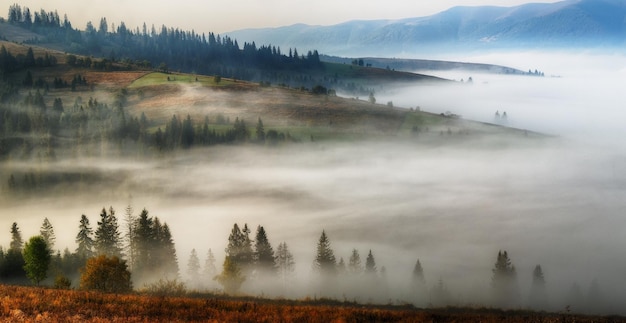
571,23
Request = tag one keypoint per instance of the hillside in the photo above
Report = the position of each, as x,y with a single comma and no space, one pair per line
571,23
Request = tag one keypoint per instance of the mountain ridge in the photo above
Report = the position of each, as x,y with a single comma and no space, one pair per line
570,23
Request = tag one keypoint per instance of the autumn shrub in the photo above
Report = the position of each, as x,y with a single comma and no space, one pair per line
106,274
165,287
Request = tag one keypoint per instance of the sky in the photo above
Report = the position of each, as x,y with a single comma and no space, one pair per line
224,16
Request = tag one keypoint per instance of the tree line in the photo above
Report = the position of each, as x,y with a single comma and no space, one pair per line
121,254
176,49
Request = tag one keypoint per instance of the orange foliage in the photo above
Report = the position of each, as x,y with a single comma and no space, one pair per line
30,304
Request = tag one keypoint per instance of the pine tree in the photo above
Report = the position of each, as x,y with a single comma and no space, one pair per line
264,253
240,247
537,297
418,274
84,240
143,243
260,131
341,267
354,263
16,238
129,235
504,281
193,267
107,241
325,262
47,233
167,252
210,270
370,264
285,263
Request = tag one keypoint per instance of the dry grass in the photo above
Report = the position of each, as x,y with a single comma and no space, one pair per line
29,304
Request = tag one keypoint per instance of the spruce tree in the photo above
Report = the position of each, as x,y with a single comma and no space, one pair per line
285,263
263,253
84,240
16,238
418,274
107,241
370,264
504,281
354,263
193,267
210,270
537,298
325,263
47,233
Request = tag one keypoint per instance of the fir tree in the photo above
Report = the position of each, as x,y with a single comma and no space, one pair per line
354,263
325,262
285,263
210,270
107,241
84,240
264,253
504,281
193,267
370,264
47,233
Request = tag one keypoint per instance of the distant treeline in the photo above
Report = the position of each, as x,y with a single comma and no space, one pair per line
141,249
168,48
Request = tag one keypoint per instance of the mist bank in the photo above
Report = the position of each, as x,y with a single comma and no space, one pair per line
553,202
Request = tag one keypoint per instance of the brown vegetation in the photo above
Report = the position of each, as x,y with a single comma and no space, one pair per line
29,304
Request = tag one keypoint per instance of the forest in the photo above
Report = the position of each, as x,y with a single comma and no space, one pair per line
137,252
169,48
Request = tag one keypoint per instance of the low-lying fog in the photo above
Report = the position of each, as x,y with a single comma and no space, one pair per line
558,203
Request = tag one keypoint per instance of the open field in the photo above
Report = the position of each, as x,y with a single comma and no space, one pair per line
29,304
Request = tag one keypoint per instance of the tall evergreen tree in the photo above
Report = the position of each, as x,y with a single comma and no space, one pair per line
16,238
354,263
240,248
168,259
325,263
504,281
210,270
260,131
193,267
142,244
47,233
263,253
418,274
285,263
370,264
129,235
84,240
537,298
107,235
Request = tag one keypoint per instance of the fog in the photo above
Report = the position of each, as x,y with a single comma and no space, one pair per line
557,202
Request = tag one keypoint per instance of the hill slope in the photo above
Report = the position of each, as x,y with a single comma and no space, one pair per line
572,23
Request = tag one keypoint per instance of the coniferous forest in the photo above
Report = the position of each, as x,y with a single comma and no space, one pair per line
231,145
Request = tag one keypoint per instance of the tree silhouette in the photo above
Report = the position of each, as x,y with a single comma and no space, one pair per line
263,253
325,262
537,298
107,235
370,264
504,281
285,263
210,269
193,267
354,263
47,233
83,239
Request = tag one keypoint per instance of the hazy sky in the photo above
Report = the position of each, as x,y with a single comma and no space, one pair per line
224,16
